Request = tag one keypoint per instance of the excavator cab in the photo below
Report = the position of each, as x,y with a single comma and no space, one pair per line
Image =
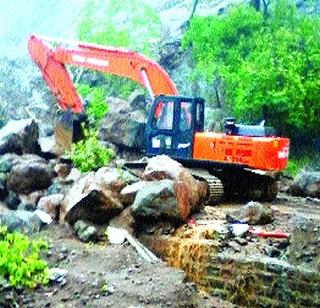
171,125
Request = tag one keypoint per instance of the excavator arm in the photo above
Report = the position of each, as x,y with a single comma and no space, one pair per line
52,56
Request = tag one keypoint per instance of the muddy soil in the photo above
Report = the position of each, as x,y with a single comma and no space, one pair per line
101,275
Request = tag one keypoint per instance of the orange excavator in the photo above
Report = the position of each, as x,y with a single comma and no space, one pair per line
244,161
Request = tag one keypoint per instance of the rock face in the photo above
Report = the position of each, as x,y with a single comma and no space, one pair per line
173,192
253,213
19,137
29,176
122,125
94,197
306,183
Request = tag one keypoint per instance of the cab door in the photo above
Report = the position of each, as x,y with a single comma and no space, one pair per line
171,125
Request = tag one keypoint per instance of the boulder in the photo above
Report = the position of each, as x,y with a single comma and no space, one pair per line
62,170
3,190
29,176
7,161
114,179
306,183
122,125
189,192
19,137
32,198
124,221
12,201
128,194
156,201
48,147
85,232
22,221
3,208
90,200
51,205
253,213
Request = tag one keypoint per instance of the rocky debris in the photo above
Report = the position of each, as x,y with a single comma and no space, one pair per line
7,161
137,101
32,198
19,137
62,170
12,201
253,213
48,147
124,221
122,125
128,194
157,200
114,179
239,230
29,176
85,232
22,221
304,245
3,208
306,183
188,192
57,276
3,190
90,200
51,205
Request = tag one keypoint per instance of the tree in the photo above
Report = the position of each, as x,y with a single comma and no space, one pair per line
267,66
127,23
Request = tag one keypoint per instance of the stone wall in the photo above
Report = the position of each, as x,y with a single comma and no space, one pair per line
253,281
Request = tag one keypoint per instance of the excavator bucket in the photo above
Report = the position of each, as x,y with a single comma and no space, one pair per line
68,129
63,130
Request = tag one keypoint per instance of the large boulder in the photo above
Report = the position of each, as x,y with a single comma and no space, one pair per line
29,176
156,201
19,137
128,194
22,221
253,213
90,199
173,192
122,125
7,162
306,183
51,205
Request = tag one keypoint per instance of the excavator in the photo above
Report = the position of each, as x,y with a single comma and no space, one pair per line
244,161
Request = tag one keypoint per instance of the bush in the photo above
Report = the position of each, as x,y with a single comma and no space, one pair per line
269,65
128,23
97,107
88,154
20,263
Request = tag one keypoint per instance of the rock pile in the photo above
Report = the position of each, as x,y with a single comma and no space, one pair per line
31,183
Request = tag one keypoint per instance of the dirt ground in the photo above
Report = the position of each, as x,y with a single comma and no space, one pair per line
102,275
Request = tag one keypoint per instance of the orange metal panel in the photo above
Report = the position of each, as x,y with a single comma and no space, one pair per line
265,153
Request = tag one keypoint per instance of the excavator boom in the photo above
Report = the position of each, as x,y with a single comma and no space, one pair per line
52,56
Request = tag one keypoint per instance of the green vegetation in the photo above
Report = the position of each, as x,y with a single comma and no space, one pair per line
128,23
268,65
20,263
88,154
97,107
